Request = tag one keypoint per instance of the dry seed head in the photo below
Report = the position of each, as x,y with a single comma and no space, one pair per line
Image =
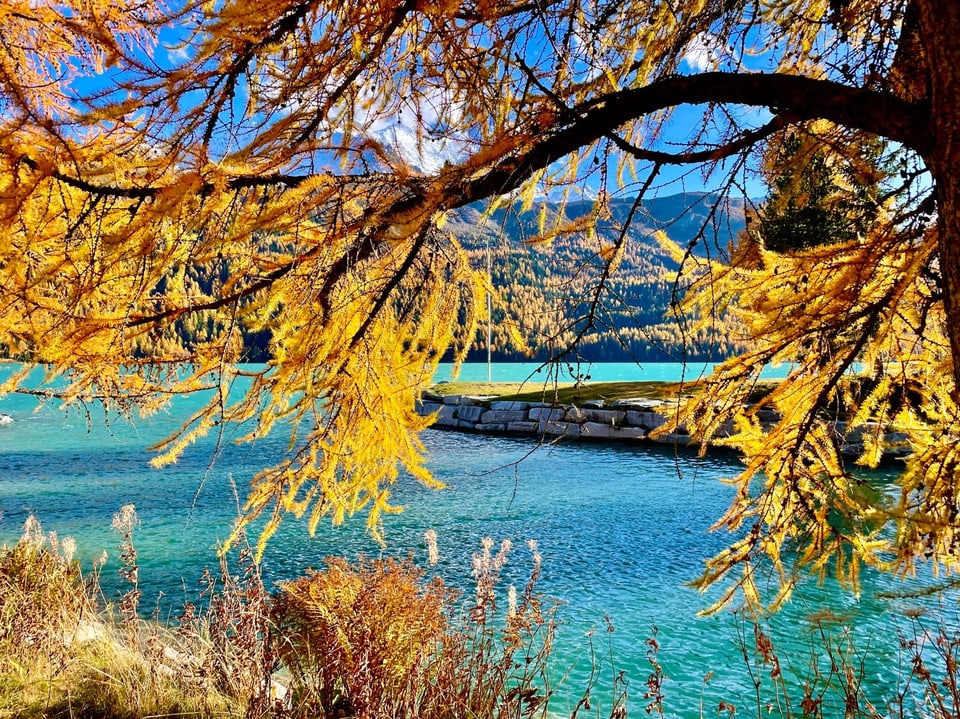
32,532
481,566
68,547
433,553
483,573
125,520
481,561
501,558
537,557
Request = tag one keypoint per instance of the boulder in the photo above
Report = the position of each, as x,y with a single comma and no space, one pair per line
497,416
546,414
492,427
471,413
425,408
558,429
605,416
597,430
522,427
645,419
447,416
510,405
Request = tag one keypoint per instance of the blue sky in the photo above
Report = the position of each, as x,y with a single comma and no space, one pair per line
397,130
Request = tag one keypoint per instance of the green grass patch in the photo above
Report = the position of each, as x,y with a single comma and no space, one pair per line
572,393
567,392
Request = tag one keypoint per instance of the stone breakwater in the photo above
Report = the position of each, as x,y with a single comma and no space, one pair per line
627,420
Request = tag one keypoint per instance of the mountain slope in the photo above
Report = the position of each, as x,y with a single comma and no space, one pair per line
548,292
548,299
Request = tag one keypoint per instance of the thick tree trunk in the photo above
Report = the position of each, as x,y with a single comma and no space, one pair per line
940,35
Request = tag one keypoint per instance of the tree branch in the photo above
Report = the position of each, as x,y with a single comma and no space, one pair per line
143,193
801,98
738,144
793,99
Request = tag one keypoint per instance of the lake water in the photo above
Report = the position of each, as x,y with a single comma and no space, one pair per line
622,529
535,373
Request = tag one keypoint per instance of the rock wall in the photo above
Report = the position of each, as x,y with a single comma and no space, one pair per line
627,420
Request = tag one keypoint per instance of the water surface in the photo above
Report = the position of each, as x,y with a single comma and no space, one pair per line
622,530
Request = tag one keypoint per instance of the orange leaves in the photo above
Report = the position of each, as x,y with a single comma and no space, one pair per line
368,633
48,46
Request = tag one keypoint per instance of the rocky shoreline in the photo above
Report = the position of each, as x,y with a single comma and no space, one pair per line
626,420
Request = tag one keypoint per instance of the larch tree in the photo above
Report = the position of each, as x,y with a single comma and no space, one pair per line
287,167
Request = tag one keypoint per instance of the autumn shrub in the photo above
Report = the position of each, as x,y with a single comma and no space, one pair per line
377,640
360,639
374,639
932,685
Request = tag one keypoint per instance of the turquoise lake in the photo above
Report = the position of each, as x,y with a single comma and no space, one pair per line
622,530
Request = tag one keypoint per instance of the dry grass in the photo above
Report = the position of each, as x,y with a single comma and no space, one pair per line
578,393
376,640
379,640
62,654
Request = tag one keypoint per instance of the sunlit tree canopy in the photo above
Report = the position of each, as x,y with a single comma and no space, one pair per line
285,170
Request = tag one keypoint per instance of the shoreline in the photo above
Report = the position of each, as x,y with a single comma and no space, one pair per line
629,421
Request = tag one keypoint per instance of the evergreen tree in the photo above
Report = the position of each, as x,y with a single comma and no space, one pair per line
817,199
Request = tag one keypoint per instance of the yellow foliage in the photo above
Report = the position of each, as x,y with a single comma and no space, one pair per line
825,311
283,168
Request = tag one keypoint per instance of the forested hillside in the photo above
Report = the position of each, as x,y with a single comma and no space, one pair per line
544,290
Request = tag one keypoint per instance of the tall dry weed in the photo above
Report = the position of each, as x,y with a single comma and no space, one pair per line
231,642
494,661
124,523
43,598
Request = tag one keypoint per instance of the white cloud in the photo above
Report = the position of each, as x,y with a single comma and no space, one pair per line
401,125
703,53
179,54
174,47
